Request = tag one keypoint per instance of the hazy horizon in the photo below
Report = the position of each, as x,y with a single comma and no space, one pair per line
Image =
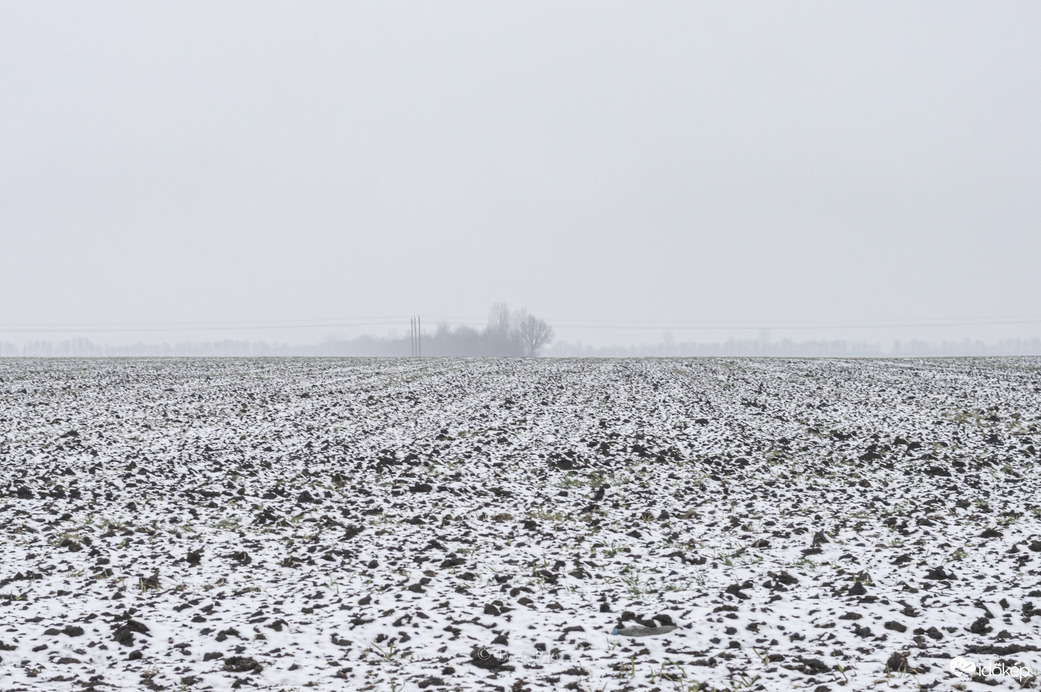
434,345
297,172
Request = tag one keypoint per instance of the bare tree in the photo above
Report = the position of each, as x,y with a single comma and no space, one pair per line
499,319
502,337
534,334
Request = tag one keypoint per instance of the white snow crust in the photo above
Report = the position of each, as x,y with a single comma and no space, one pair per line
459,524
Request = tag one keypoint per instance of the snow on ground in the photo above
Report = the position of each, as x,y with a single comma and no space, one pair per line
485,524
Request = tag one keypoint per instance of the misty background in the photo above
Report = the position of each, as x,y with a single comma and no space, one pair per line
675,178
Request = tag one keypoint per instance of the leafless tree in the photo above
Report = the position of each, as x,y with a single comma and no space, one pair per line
499,318
534,334
501,336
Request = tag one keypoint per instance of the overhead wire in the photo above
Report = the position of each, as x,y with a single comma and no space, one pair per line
599,324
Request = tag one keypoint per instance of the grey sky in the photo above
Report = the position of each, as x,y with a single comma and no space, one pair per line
755,163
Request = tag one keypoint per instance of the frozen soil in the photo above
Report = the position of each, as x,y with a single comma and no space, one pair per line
484,524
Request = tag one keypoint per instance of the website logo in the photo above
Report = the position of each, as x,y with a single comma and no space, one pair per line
963,667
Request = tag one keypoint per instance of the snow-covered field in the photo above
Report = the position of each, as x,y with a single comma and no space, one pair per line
485,524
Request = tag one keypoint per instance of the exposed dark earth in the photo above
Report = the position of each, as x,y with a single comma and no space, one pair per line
447,524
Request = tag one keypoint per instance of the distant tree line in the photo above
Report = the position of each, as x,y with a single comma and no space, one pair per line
786,348
516,333
85,348
508,333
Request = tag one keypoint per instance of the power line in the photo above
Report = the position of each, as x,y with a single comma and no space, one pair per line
599,324
198,322
189,327
718,326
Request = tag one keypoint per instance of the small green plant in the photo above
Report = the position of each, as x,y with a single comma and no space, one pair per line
545,515
805,562
631,578
672,672
570,481
677,586
387,654
114,523
64,536
228,523
745,682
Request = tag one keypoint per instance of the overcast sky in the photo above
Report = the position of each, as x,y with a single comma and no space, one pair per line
666,163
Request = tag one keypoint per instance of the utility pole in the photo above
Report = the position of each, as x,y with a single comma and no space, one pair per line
416,337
